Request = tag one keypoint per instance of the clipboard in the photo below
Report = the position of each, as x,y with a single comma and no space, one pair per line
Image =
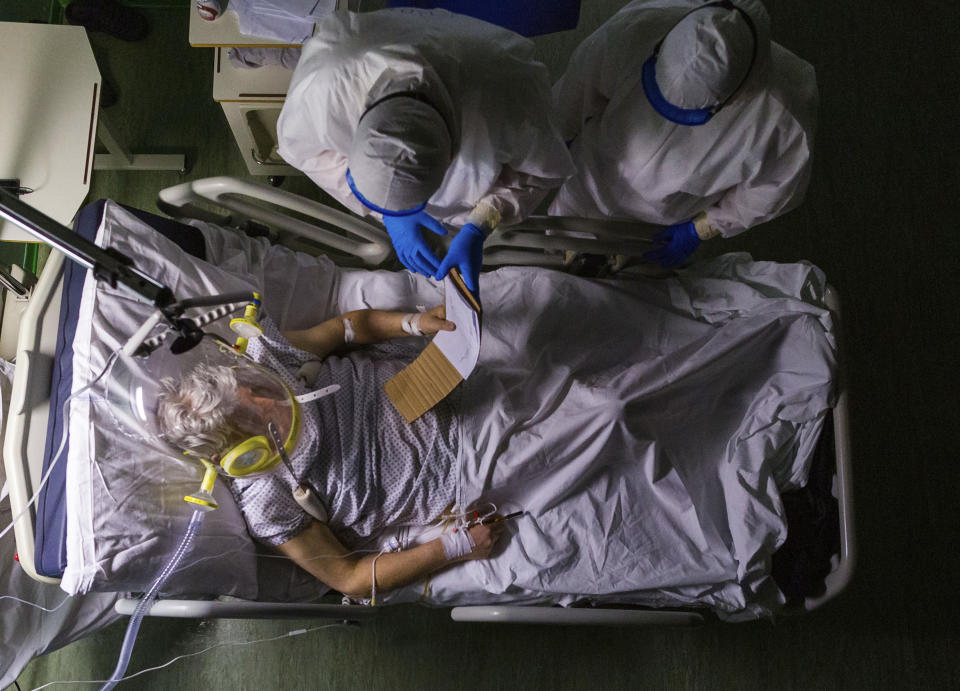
446,361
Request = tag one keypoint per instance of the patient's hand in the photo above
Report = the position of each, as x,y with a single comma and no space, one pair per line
308,371
485,535
435,320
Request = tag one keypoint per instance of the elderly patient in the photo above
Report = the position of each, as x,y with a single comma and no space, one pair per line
645,429
210,409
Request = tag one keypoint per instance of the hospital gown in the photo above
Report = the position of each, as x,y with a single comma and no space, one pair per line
371,469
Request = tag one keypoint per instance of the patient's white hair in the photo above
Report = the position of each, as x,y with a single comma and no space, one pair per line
194,411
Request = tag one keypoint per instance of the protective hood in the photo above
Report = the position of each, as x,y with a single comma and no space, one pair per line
210,402
707,54
400,152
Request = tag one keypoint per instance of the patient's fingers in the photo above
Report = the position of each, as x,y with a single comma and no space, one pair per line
430,324
485,535
433,320
308,371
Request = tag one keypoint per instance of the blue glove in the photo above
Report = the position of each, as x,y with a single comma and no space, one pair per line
407,239
466,253
673,244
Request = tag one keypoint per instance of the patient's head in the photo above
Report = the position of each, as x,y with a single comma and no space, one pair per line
213,408
194,411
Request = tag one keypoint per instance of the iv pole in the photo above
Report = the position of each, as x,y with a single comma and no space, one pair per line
107,264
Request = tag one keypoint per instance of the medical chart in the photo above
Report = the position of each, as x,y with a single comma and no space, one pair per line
446,361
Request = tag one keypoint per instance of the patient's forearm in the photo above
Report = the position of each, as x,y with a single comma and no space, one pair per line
319,552
365,326
397,569
376,326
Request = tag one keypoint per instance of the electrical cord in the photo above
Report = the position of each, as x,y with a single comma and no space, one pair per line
63,443
288,634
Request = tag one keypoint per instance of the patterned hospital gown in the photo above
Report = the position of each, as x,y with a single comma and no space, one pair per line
371,468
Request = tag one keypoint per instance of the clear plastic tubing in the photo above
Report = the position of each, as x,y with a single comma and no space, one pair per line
134,625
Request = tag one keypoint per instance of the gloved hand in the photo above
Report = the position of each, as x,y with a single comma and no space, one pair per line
673,245
466,253
407,239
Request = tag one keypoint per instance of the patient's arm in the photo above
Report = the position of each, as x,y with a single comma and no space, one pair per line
320,553
368,326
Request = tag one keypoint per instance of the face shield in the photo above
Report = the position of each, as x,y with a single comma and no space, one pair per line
210,402
706,59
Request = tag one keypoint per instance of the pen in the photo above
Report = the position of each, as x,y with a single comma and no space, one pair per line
502,518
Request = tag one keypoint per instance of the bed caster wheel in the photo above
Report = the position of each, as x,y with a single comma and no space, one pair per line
276,180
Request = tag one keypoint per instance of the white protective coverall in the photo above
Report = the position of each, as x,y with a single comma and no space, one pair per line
748,164
483,78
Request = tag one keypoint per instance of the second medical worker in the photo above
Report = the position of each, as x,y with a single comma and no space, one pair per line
425,117
685,114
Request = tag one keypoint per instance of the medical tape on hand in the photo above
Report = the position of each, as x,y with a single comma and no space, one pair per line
411,324
348,334
319,393
457,543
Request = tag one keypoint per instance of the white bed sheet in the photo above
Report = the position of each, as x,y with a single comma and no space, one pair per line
647,428
26,630
686,508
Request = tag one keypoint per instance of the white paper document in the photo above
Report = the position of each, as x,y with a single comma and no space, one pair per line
461,346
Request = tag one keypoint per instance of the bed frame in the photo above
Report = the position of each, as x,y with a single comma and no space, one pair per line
313,227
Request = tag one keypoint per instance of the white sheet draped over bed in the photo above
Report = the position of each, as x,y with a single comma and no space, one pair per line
645,426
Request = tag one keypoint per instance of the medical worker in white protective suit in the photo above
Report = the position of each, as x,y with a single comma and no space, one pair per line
427,118
686,114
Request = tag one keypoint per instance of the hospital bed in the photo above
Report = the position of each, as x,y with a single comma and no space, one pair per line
44,369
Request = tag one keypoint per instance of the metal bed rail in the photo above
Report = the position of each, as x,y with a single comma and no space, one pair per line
838,579
247,201
25,432
505,614
247,609
539,240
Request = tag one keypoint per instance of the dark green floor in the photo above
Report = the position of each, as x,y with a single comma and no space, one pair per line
879,219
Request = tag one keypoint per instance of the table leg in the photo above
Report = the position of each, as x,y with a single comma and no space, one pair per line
120,158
